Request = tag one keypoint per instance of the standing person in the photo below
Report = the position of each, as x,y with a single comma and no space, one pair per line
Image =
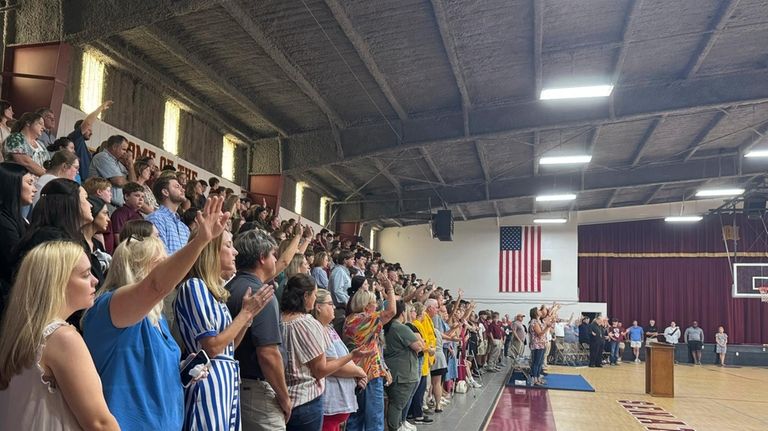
636,335
320,269
131,345
305,342
361,330
721,338
584,333
100,260
22,146
47,377
440,366
48,137
143,175
114,164
428,335
265,403
339,398
651,331
596,343
401,354
18,191
518,336
173,232
134,200
538,332
694,338
613,338
672,333
6,115
205,324
341,280
83,132
63,164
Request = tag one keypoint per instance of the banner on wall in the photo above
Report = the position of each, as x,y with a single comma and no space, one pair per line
138,147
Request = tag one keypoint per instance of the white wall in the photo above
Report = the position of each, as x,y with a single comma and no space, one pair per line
471,262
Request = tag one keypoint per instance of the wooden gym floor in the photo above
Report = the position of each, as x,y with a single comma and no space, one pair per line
707,397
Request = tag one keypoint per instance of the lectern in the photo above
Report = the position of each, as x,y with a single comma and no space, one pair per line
660,370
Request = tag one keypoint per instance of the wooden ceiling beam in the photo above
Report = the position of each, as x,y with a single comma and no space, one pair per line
257,33
364,53
224,85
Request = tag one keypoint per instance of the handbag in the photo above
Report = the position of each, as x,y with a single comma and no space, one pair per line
461,387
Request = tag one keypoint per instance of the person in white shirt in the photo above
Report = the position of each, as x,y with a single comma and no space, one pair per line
672,333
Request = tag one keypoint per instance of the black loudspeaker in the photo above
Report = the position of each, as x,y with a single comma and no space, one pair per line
442,225
754,207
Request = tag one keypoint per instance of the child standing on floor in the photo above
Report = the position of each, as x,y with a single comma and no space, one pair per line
721,338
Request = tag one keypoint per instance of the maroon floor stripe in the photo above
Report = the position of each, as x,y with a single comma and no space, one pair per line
523,409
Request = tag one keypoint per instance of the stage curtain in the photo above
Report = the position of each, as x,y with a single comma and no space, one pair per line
682,289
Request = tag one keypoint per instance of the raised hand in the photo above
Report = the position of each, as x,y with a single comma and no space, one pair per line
211,221
297,227
253,303
308,232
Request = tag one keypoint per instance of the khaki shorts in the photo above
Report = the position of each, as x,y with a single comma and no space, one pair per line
482,348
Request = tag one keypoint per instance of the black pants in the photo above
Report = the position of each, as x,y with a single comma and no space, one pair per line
596,352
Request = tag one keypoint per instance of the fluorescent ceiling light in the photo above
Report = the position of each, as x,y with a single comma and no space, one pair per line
683,219
550,220
719,192
757,153
576,92
564,160
552,198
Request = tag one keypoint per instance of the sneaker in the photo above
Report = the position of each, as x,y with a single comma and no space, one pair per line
409,426
423,420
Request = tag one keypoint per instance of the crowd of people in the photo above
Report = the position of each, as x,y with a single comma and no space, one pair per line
116,272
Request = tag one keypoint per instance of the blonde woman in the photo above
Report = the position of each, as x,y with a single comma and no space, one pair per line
297,265
47,377
129,339
206,324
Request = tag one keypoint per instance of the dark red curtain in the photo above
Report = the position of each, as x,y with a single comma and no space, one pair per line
672,288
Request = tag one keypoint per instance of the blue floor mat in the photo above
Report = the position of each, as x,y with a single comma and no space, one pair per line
565,382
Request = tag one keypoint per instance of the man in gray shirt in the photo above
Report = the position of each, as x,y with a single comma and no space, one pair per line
694,337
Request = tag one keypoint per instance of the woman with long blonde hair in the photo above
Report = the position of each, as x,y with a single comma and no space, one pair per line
47,377
129,338
205,324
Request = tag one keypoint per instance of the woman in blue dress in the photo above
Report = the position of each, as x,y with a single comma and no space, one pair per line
205,324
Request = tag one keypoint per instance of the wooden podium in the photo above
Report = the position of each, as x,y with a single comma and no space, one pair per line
660,370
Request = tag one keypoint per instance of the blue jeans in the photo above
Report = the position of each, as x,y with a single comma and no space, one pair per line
307,417
417,401
614,351
407,408
537,363
370,408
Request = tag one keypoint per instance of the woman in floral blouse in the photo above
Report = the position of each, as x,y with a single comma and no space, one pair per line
22,146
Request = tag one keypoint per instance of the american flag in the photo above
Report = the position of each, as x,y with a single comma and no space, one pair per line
520,259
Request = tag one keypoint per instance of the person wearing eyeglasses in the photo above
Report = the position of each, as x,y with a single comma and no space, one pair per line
339,399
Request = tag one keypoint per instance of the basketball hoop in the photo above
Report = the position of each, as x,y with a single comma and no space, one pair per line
763,294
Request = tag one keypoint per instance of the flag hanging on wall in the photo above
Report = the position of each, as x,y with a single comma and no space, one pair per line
520,259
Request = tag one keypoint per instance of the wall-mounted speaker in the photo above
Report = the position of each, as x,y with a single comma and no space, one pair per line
442,225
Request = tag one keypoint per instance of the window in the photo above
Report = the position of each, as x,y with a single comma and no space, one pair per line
91,83
324,209
372,240
228,158
171,127
300,186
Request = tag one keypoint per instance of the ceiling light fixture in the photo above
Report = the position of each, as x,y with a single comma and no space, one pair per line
757,153
565,160
550,220
576,92
553,198
719,192
683,219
